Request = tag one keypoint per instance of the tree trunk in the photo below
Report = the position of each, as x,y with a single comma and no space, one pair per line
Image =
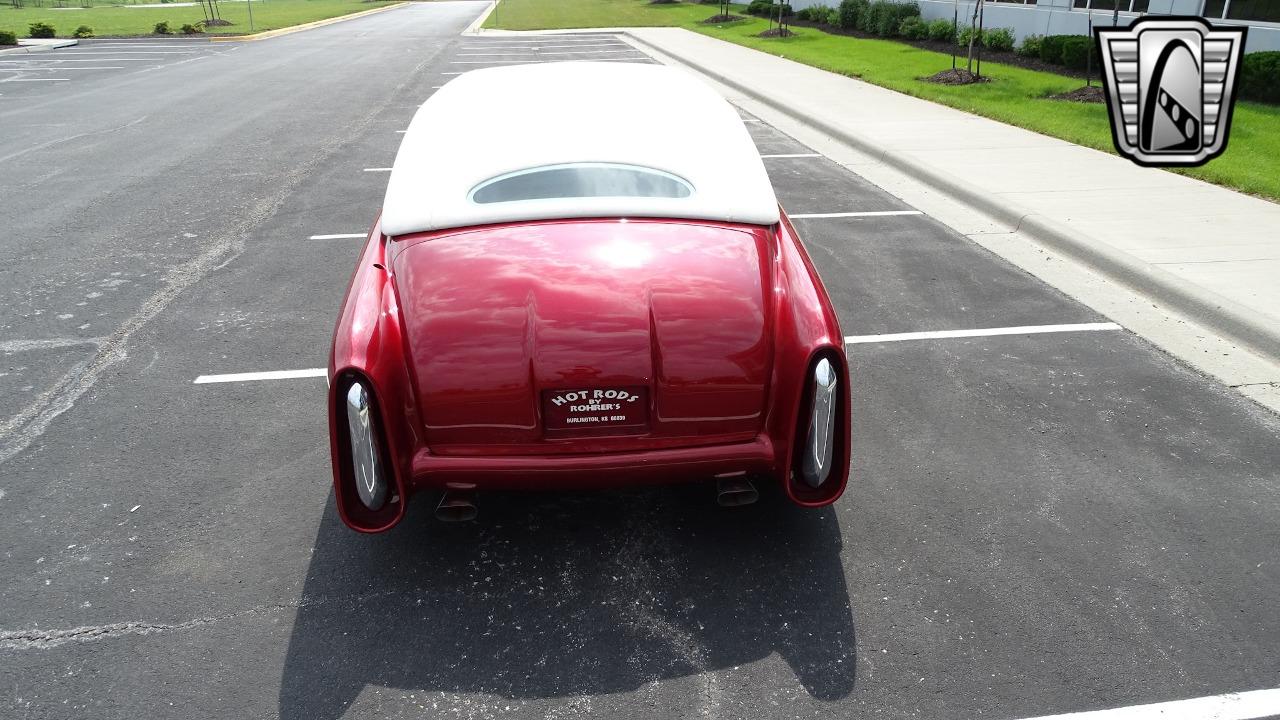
973,34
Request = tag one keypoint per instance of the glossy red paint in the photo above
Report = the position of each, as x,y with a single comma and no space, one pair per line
465,335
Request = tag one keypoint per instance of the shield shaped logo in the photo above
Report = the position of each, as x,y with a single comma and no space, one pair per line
1170,84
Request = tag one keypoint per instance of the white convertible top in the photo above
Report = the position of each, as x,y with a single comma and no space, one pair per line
494,122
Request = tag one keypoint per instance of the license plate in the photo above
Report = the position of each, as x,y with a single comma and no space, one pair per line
596,408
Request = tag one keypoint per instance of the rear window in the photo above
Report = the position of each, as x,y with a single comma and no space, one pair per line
581,180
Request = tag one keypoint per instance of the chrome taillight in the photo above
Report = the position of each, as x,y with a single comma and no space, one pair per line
366,461
816,463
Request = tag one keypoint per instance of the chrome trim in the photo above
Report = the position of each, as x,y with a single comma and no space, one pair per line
816,465
366,463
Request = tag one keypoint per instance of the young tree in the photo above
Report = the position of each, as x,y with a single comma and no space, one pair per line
975,32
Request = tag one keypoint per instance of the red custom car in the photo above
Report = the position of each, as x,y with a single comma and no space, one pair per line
581,278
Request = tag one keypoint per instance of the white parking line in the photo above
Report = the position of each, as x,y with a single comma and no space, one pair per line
531,48
377,169
133,44
123,52
36,80
869,213
28,68
980,332
269,375
492,62
792,155
60,60
562,52
1232,706
339,236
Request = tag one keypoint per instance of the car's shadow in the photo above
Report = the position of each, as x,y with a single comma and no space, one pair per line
549,596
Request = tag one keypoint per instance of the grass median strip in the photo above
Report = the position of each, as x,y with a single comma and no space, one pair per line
117,19
1016,96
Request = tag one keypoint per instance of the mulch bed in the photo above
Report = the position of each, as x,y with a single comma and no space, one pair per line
1090,94
718,19
958,76
776,32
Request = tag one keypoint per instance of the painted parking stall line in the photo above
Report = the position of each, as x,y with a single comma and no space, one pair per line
79,60
870,213
267,375
59,68
981,332
1232,706
377,169
792,155
339,236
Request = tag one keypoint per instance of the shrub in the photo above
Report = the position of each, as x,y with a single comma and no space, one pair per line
162,28
833,17
765,8
965,33
1051,48
196,29
875,17
1259,77
8,37
902,11
942,30
84,31
850,12
913,28
1076,50
815,13
40,30
1030,46
1000,39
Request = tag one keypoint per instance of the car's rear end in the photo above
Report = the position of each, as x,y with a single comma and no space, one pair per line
584,303
598,353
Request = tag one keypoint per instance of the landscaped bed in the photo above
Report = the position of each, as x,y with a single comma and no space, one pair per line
118,20
1018,96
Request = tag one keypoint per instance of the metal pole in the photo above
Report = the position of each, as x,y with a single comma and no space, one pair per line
1088,55
955,26
982,10
250,4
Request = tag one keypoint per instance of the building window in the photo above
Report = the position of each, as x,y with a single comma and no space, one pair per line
1121,5
1261,10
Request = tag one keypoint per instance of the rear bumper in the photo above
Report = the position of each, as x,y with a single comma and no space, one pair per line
649,467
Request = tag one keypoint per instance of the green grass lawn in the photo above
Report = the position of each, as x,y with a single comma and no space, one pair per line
122,20
1014,95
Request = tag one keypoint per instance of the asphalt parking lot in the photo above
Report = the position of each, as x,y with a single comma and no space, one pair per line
23,76
1036,524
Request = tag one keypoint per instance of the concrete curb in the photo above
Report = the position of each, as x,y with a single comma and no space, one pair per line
474,27
305,26
39,47
1241,324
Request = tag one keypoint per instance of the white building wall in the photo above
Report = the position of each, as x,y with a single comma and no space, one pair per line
1058,17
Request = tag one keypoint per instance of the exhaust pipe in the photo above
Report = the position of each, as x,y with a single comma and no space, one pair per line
735,491
456,506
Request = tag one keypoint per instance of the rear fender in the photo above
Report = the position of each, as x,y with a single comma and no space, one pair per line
367,346
806,329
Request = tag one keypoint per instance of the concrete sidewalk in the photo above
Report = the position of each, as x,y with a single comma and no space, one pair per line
33,45
1209,253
